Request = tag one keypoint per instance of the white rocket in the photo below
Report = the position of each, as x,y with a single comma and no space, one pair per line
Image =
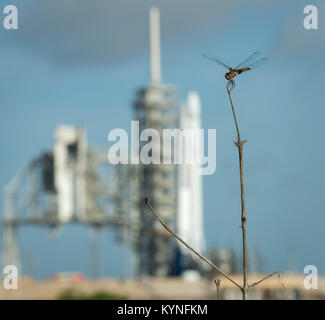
189,204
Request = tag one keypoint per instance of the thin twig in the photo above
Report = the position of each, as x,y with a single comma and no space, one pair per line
258,282
189,247
239,144
217,283
234,114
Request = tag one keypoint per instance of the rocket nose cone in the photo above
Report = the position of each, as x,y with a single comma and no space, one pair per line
194,103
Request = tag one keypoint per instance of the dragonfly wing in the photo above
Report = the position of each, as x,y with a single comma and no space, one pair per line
214,59
249,60
257,63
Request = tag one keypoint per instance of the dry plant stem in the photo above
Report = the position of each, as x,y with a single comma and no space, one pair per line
258,282
189,247
239,144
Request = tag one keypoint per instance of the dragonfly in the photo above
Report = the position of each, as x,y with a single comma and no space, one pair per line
246,65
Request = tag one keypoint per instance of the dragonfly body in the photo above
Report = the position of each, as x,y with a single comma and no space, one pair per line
234,72
246,65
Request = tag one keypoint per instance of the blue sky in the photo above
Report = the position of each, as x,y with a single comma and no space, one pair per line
80,62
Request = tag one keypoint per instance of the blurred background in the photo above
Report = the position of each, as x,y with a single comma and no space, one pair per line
75,70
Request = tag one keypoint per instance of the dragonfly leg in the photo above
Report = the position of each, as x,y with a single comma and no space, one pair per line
231,84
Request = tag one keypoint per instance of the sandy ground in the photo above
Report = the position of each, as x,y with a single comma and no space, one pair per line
285,287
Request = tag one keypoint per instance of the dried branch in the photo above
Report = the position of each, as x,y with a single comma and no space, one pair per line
189,247
260,281
234,114
239,144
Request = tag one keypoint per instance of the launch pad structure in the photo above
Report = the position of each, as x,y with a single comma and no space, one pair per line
64,186
155,107
74,183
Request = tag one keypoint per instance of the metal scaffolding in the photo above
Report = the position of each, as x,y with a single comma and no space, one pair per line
156,107
63,186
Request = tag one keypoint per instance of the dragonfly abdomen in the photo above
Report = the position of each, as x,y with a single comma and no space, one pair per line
239,71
